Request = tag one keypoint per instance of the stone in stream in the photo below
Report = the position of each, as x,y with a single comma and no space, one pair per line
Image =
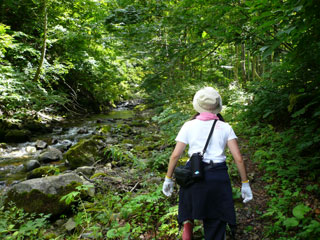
17,169
42,195
82,131
50,155
32,164
63,145
40,144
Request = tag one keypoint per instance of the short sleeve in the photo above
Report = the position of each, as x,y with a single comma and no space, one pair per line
232,134
183,134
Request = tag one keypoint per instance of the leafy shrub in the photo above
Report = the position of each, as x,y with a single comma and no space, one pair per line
15,223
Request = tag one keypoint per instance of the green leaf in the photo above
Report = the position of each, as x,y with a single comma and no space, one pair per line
300,210
204,34
112,233
291,222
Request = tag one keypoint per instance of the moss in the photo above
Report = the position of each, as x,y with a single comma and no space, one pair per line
141,107
141,148
138,123
42,171
85,152
123,129
50,235
99,174
126,140
16,135
105,129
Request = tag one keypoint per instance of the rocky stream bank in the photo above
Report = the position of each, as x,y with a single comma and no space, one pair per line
105,155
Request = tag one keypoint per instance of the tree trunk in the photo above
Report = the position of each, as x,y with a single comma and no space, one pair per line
44,43
248,69
253,67
243,64
236,64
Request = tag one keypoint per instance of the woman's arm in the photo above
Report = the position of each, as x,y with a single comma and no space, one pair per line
178,150
235,151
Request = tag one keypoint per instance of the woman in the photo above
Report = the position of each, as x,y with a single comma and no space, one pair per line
209,200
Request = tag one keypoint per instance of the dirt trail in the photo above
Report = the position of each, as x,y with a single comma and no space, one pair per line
250,226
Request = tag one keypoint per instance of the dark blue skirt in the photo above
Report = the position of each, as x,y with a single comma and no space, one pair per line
210,198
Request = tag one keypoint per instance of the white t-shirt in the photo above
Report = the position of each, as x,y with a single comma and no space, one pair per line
195,133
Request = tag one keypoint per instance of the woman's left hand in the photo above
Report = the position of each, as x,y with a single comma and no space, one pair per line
246,192
167,187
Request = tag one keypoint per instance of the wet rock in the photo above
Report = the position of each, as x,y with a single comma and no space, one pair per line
85,152
3,145
86,170
111,140
17,136
66,143
32,164
42,195
82,131
41,144
18,169
111,120
51,155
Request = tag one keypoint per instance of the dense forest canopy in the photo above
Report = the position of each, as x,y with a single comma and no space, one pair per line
88,55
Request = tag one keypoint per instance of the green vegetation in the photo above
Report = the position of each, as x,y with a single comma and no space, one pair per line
66,57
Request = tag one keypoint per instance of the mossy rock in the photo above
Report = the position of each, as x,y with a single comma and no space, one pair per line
123,128
127,141
42,171
16,135
35,126
85,152
139,123
141,148
105,129
42,195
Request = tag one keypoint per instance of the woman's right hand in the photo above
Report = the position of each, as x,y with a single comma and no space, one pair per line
167,187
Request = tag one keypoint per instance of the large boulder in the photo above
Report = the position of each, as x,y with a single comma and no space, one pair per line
85,152
42,195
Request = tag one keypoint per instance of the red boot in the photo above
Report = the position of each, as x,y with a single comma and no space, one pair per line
187,230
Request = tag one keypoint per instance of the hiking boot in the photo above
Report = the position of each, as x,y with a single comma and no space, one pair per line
187,230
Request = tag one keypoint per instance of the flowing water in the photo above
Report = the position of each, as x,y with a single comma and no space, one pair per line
14,156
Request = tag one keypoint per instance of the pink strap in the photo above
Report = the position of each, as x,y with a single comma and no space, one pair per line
206,116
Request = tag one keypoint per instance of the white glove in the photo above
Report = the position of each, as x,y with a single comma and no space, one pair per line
246,192
167,187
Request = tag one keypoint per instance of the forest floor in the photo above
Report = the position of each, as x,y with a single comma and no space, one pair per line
250,225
